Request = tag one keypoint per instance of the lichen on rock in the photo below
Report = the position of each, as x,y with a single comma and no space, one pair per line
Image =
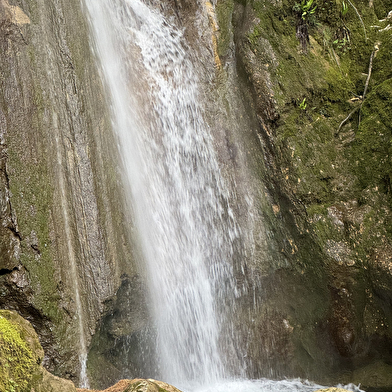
21,355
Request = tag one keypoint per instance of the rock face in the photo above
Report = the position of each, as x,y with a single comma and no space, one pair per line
64,244
321,123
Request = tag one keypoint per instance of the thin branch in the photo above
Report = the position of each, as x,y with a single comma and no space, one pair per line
346,119
372,56
359,16
369,74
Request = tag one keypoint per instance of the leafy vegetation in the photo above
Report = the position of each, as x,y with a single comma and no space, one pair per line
305,12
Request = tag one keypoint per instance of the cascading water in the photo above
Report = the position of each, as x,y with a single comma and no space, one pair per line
179,200
181,205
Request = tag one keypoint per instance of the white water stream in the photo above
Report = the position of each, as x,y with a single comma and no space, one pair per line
179,200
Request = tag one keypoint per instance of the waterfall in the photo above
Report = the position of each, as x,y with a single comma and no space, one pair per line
180,202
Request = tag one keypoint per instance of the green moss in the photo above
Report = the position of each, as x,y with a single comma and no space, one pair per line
17,363
32,197
374,139
339,87
224,11
324,167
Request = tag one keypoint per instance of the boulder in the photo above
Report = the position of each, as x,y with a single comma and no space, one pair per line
21,356
20,352
137,385
44,381
140,385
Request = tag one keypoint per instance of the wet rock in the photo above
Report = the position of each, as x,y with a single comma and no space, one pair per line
47,382
118,348
332,390
61,212
375,376
139,385
340,181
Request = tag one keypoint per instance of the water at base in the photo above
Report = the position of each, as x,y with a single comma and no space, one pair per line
264,385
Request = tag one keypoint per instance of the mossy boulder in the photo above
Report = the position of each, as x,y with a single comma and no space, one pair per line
21,355
43,381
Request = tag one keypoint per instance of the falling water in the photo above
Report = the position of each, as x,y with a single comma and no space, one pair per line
180,203
179,200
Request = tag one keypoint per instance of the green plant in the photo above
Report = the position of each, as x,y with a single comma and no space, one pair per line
303,104
344,9
305,16
305,8
342,44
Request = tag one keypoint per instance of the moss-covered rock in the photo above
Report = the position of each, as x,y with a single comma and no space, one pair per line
322,106
43,381
21,355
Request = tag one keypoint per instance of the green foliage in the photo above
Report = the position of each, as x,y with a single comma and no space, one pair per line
342,44
344,9
307,9
303,104
305,17
224,10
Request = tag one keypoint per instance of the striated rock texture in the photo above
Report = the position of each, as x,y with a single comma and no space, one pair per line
64,244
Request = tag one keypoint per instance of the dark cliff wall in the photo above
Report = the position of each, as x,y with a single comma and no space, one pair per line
320,85
64,242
